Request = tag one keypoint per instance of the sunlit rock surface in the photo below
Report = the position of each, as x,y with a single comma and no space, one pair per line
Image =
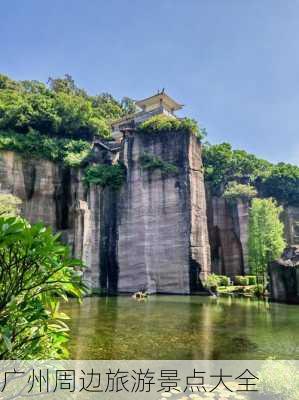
162,227
152,234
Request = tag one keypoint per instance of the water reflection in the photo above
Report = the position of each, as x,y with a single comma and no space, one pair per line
182,327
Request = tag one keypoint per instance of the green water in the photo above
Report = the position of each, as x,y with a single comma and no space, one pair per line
182,327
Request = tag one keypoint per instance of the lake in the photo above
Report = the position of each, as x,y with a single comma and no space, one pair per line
182,328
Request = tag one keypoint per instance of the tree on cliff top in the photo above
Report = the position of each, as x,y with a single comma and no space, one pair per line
266,235
223,165
57,109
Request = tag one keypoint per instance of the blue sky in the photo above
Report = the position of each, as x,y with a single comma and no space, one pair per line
233,63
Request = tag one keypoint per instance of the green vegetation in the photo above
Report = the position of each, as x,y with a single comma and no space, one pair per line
223,280
249,290
105,175
243,285
266,235
252,280
9,205
212,281
224,165
69,151
241,280
164,123
236,190
150,162
36,272
215,281
56,121
58,109
282,184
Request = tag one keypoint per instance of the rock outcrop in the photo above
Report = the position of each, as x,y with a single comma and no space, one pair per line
162,231
291,223
228,224
284,276
151,234
163,241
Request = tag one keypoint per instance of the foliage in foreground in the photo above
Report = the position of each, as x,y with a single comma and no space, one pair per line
266,235
164,123
36,272
105,175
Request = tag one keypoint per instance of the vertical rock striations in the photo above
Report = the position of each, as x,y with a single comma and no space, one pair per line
162,229
228,225
153,233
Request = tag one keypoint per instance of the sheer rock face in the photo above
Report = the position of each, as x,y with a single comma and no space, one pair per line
152,234
284,276
162,228
291,223
228,231
36,183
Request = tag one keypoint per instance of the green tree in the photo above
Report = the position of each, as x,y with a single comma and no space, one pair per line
283,184
222,164
266,235
36,272
236,190
57,109
128,105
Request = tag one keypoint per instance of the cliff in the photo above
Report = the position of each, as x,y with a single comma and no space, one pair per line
284,277
162,231
151,234
228,233
163,240
228,225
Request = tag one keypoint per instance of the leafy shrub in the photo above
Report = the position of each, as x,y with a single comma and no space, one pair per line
265,235
222,164
164,123
236,190
212,281
223,280
251,280
259,290
240,280
71,152
151,162
36,272
105,175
